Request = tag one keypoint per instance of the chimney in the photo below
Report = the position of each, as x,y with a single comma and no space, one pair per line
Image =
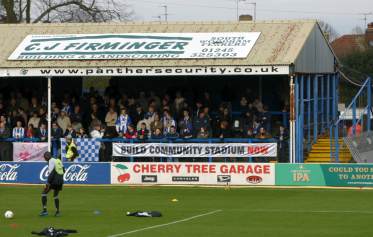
245,18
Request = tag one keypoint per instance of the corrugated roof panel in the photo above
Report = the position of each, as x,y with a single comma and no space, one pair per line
280,42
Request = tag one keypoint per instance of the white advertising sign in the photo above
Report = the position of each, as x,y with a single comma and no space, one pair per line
29,151
135,46
195,149
145,71
193,173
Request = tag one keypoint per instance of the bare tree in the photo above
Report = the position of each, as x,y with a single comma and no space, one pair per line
357,30
34,11
330,33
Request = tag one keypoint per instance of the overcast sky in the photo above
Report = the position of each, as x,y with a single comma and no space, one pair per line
343,15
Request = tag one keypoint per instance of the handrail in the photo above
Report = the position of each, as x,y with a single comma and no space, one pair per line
178,140
353,101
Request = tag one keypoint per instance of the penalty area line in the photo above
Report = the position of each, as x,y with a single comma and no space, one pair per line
313,211
166,224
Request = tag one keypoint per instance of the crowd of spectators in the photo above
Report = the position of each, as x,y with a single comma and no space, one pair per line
136,116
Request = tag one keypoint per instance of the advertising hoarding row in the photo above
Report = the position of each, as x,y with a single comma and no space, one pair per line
179,173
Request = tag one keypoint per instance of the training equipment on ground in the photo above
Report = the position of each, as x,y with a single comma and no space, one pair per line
144,214
52,232
8,214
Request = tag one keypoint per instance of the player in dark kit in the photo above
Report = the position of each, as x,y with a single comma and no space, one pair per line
55,182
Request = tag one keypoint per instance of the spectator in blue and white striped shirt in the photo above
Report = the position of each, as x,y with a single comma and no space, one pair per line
18,131
122,122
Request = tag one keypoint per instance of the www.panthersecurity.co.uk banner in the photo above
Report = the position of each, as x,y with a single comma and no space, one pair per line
195,149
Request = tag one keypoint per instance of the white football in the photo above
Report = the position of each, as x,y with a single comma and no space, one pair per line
8,214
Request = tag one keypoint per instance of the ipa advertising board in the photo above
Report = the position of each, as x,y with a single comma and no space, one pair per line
176,173
136,46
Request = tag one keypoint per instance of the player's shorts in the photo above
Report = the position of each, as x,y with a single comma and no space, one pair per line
55,181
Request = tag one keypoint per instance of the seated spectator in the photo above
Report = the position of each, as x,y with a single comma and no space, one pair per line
76,115
123,122
203,133
143,132
111,117
42,132
150,115
186,126
131,132
249,133
42,113
178,102
138,114
18,130
63,121
81,133
34,120
237,129
224,131
30,132
97,131
22,116
157,134
262,134
167,122
55,113
172,134
201,121
156,124
70,132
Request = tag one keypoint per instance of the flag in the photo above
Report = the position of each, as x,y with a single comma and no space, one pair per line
88,150
29,151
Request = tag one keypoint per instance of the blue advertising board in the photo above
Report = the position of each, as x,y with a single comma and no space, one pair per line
37,173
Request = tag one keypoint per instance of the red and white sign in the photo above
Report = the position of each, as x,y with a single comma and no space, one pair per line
29,151
193,173
195,149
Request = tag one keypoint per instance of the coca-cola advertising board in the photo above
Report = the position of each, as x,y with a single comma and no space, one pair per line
37,173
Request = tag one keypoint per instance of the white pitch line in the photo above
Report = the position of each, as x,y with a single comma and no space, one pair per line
166,224
317,211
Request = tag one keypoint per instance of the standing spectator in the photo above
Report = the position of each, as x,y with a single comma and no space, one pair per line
76,116
18,131
198,109
122,122
34,120
186,125
22,116
42,132
34,108
63,121
110,118
56,132
5,147
97,131
282,138
2,108
143,132
131,132
178,102
138,115
156,124
167,122
55,113
262,134
66,107
43,116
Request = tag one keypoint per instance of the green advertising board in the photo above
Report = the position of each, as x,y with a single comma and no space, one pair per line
347,175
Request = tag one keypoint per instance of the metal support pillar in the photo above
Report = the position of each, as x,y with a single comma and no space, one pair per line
292,122
315,108
309,112
296,132
49,114
322,99
369,102
328,100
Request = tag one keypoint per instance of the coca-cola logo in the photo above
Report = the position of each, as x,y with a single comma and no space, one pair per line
254,179
74,173
8,172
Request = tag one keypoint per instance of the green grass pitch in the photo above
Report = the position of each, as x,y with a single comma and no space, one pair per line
245,212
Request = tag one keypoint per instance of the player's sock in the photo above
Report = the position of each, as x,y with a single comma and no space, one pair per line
44,201
57,203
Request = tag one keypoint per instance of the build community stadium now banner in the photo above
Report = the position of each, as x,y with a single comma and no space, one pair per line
193,173
346,175
195,149
135,46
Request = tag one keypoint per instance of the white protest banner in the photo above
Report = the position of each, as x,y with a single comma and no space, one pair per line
29,151
195,149
193,173
135,46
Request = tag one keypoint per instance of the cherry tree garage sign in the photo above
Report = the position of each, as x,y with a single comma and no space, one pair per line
193,173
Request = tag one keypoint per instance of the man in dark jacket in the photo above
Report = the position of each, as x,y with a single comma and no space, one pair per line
5,147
